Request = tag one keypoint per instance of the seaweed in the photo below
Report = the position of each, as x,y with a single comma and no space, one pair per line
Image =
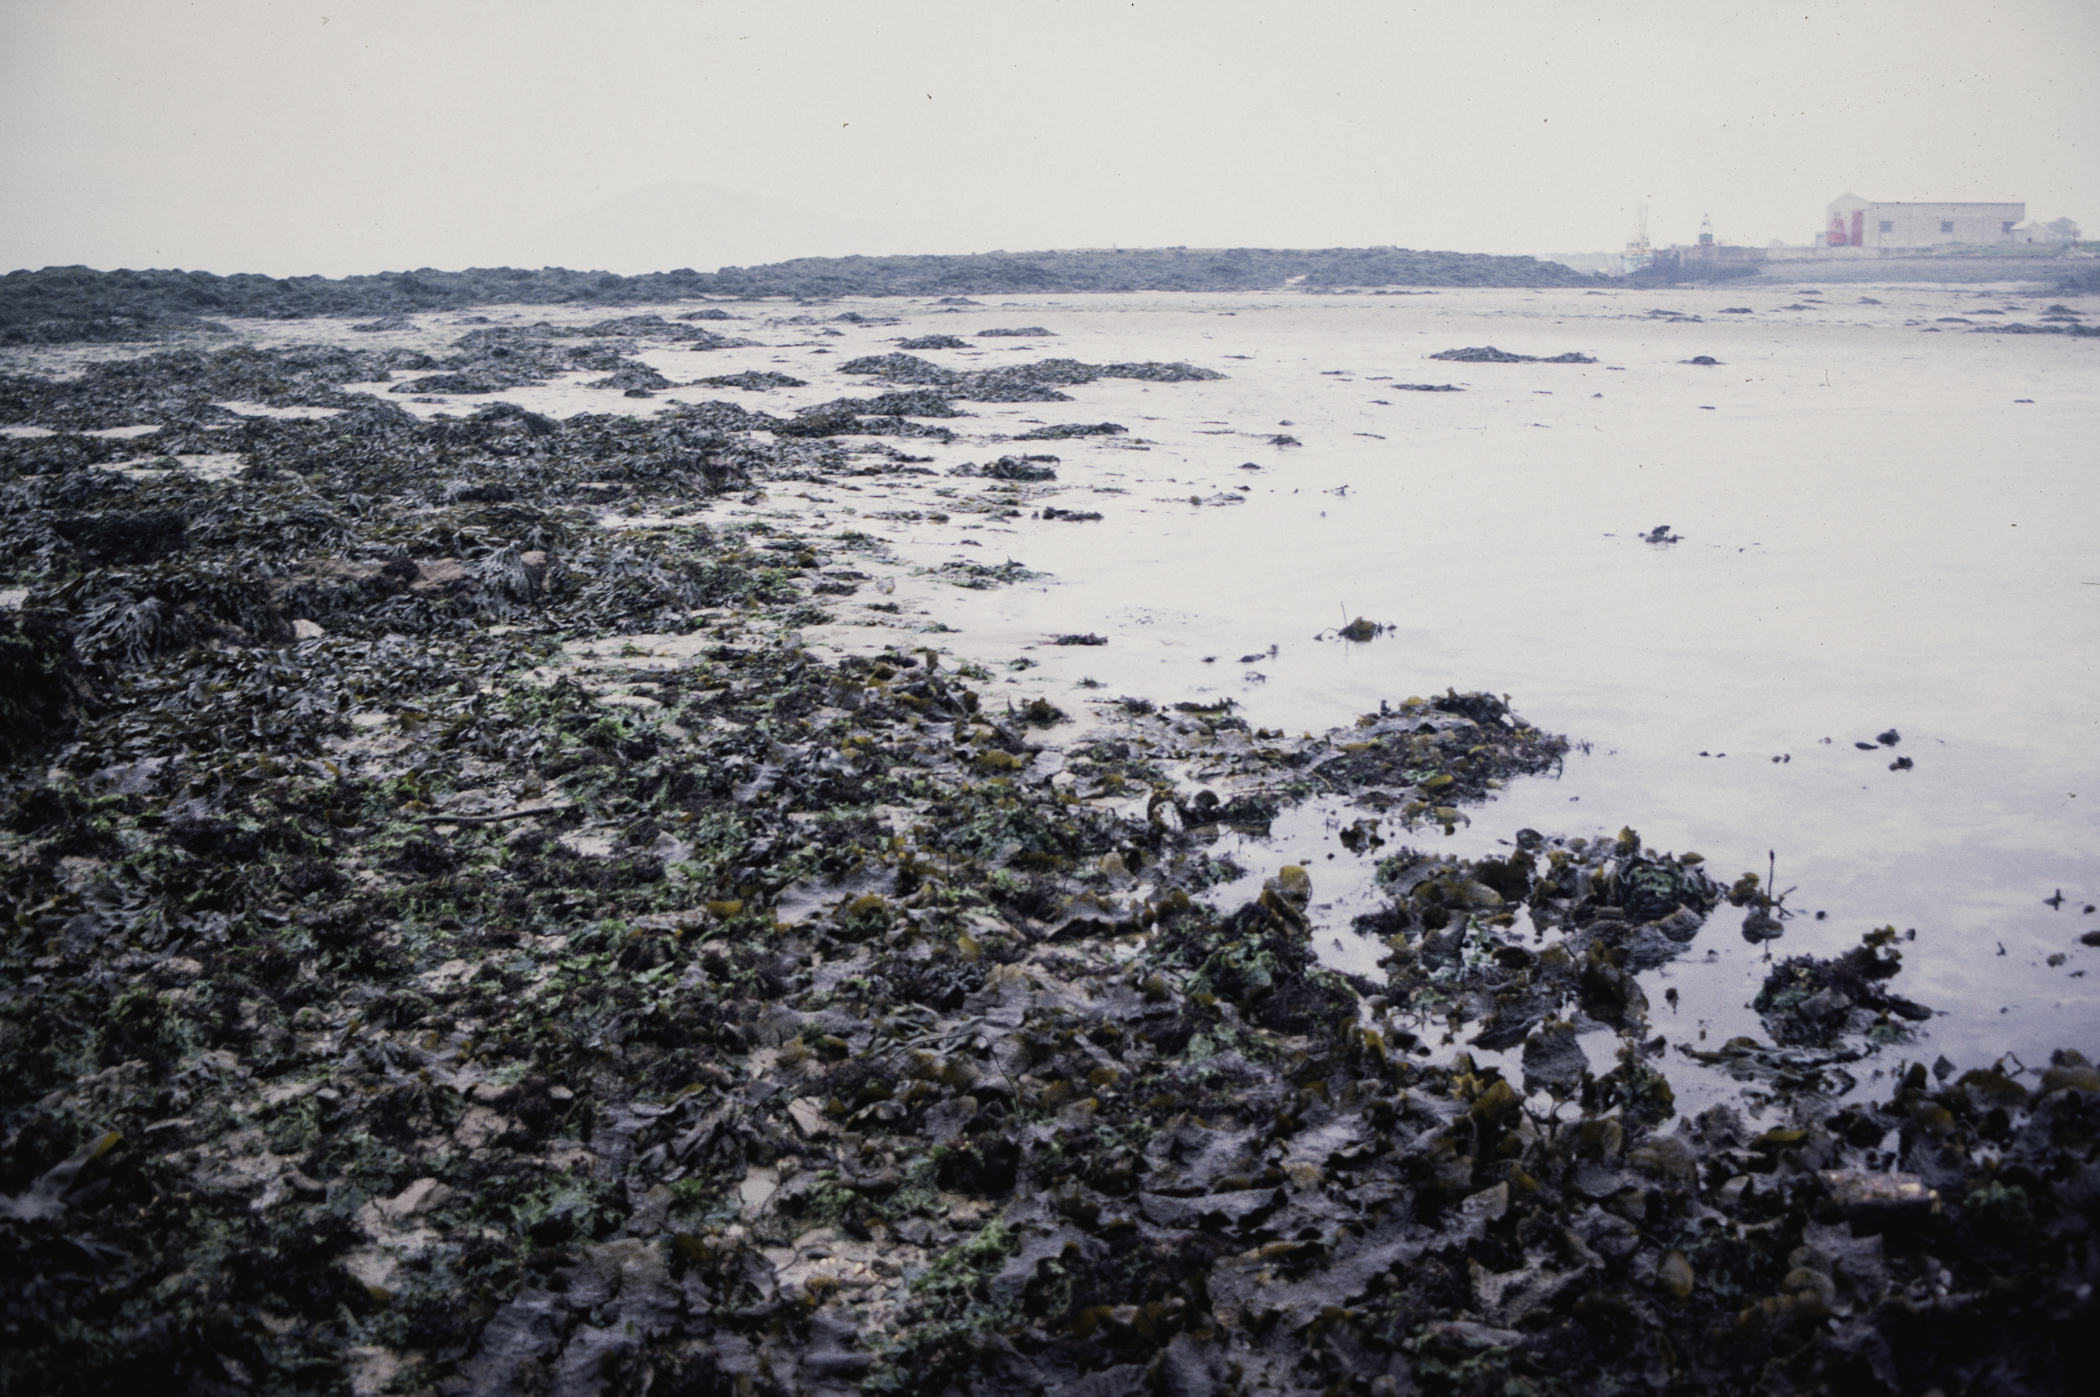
1488,354
42,682
414,976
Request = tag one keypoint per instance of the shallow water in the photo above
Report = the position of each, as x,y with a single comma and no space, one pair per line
1874,535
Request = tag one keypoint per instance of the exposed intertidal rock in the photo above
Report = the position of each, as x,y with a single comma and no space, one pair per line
1063,430
756,380
58,304
462,940
636,378
1026,469
1017,383
1488,354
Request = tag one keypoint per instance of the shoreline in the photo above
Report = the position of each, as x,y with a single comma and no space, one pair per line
846,1025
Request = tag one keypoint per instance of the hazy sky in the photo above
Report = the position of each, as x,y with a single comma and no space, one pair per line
350,136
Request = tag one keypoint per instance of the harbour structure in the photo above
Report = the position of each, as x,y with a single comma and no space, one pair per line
1880,223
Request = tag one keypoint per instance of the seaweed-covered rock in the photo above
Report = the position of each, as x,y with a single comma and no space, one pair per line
756,380
900,368
1018,383
1065,430
1025,469
61,303
1488,354
1810,1002
920,402
630,377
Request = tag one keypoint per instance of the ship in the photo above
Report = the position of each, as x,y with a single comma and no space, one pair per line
1639,252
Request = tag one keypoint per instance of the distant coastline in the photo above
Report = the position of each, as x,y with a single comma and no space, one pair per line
70,304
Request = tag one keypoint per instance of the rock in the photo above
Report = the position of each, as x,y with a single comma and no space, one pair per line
1862,1197
1674,1274
1760,926
1293,884
2069,1071
808,1116
418,1198
1554,1060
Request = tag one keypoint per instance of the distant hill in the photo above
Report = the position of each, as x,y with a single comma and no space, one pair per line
70,304
1136,269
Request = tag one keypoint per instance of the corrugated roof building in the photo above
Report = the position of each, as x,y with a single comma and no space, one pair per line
1857,222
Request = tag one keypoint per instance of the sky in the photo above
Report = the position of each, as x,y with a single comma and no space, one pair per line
350,136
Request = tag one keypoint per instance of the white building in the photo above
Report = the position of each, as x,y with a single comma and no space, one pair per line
2055,233
1857,222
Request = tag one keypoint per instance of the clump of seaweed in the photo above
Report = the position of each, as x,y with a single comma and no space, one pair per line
1810,1002
1023,469
1488,354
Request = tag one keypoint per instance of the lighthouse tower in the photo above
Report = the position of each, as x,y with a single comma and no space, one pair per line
1706,230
